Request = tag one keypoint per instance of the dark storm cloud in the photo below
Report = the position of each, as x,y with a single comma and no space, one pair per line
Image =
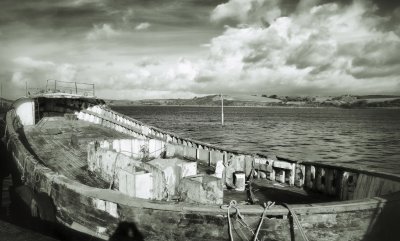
50,13
73,40
377,60
67,13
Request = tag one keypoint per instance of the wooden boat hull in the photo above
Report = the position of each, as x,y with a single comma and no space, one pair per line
101,212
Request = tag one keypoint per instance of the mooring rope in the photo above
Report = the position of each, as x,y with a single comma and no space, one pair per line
296,220
266,207
233,204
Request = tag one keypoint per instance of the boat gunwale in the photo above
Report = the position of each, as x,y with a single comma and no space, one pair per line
390,176
278,210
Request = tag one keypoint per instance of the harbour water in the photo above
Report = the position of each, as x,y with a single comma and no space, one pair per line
366,137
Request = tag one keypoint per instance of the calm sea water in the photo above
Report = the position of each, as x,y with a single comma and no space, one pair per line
366,137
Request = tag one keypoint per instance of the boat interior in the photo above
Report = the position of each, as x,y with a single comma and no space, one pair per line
86,141
60,141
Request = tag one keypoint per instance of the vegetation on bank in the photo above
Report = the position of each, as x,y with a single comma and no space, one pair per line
344,101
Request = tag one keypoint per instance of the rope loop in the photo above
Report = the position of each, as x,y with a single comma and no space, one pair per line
240,219
238,215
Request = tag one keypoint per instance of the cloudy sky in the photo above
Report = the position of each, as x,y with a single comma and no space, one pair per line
185,48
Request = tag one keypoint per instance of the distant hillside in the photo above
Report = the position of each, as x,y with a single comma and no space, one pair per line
345,101
261,100
349,101
377,96
210,100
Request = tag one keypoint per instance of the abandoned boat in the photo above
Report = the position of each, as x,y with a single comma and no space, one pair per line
80,164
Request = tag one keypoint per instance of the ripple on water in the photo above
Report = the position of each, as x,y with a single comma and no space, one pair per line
369,137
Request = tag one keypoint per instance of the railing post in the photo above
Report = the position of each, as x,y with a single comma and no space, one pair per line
310,177
76,88
320,179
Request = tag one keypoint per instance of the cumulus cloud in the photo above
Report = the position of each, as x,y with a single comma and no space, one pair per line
102,31
29,63
282,46
175,76
35,72
142,26
247,11
318,47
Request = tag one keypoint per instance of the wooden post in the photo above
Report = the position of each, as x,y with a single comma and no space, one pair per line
310,176
76,89
300,175
319,175
329,182
292,174
272,174
222,110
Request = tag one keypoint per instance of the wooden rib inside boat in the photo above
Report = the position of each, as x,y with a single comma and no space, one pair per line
90,169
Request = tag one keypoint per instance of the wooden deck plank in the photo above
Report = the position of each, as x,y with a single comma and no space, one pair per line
51,142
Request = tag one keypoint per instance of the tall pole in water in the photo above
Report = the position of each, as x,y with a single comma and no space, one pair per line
222,110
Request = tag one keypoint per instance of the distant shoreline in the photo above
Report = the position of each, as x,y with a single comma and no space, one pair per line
276,106
345,101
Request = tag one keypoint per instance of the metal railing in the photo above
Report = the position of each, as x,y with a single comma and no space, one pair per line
57,86
70,87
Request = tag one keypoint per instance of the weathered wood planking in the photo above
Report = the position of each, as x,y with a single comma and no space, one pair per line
99,211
